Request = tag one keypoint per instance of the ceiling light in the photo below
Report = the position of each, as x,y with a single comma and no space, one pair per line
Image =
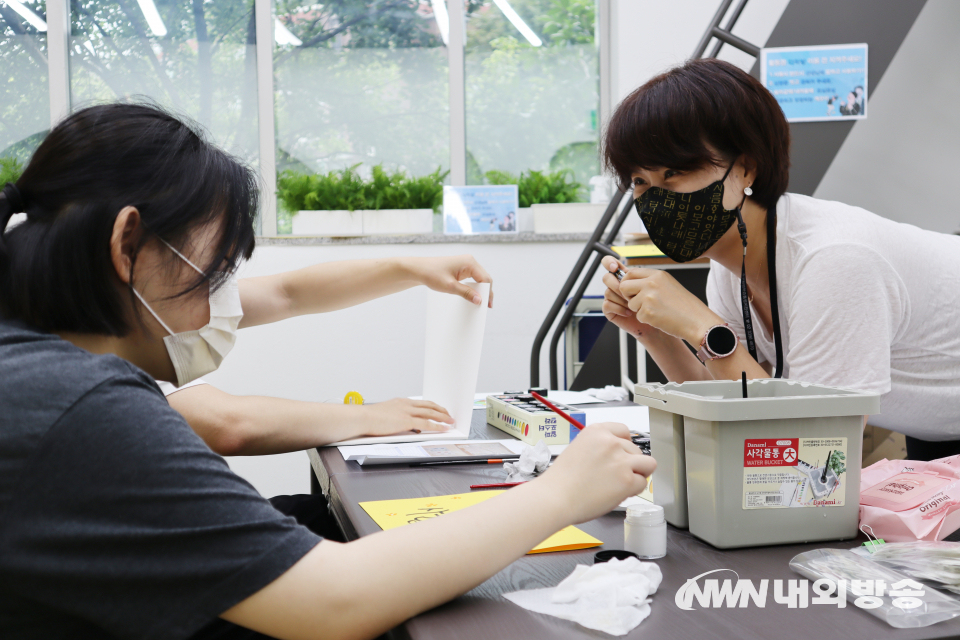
443,19
518,22
27,14
282,35
153,17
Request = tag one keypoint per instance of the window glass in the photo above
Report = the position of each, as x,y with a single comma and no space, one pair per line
195,57
532,87
360,83
25,91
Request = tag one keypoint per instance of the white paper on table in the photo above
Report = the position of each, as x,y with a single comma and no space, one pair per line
572,397
636,418
451,362
479,399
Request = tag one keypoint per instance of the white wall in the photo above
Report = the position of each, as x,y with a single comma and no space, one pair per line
903,160
652,35
377,348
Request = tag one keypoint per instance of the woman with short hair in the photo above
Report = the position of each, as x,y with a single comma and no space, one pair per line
812,290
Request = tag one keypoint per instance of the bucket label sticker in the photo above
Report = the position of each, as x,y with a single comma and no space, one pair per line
781,473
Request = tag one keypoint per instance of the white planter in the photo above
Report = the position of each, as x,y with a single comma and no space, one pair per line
363,222
570,217
398,222
328,223
525,220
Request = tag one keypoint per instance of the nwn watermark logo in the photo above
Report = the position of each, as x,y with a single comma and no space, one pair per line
714,593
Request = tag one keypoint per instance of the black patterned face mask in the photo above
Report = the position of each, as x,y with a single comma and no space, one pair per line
685,225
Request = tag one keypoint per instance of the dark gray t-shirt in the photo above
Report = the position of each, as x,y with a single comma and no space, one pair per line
116,520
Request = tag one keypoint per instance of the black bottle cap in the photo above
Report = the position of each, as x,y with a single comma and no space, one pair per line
610,554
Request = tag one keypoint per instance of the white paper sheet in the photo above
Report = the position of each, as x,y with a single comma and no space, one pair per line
451,362
636,418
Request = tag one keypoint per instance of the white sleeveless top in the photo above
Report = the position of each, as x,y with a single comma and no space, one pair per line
865,303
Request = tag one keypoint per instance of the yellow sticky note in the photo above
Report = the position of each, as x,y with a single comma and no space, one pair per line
566,540
389,514
638,251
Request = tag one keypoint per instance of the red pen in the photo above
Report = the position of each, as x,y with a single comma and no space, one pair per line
556,410
495,485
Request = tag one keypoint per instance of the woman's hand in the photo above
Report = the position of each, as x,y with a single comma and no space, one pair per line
658,300
598,471
401,415
444,274
616,305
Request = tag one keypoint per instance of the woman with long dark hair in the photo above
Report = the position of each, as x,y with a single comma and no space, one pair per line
116,519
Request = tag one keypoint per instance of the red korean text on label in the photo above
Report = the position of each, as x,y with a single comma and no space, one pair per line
776,452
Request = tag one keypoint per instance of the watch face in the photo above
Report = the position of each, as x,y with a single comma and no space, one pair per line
721,341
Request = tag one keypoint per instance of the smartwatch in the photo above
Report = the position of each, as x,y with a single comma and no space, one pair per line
719,341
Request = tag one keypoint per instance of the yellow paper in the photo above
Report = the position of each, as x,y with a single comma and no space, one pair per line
647,493
638,251
390,514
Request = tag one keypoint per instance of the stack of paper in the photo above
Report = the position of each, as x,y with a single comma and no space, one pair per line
437,451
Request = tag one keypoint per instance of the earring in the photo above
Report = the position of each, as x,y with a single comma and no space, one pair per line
748,191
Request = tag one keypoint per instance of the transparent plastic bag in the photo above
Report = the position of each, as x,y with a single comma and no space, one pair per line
850,572
925,560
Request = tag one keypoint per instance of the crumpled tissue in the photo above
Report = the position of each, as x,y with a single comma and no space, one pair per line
612,597
533,461
609,393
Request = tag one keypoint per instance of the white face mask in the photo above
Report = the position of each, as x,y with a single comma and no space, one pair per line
196,353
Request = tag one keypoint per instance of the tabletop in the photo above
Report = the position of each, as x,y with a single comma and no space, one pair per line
482,613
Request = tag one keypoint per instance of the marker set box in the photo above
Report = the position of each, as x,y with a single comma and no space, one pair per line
523,417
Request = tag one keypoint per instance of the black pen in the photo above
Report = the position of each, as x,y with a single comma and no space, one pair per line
484,461
620,274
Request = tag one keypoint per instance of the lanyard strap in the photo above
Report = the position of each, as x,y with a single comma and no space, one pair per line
745,300
772,272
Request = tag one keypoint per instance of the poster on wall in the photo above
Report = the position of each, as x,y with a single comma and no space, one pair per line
480,209
817,83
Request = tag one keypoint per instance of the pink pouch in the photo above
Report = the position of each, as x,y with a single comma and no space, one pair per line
905,500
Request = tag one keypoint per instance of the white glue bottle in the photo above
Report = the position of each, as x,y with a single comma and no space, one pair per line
645,531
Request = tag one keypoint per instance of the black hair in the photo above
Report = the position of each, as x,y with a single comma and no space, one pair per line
56,272
674,120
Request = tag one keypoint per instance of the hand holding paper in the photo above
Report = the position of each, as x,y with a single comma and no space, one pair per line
445,275
451,363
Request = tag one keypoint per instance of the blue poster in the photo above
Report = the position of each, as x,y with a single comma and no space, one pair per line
480,209
817,83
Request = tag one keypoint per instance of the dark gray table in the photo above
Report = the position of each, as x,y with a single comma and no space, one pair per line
482,614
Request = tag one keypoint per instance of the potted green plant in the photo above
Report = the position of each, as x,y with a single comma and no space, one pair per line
550,202
341,203
10,170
